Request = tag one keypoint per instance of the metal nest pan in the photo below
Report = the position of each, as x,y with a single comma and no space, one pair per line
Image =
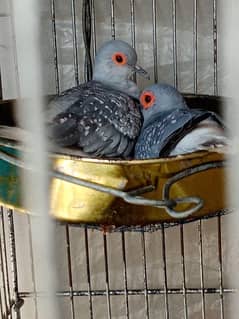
122,192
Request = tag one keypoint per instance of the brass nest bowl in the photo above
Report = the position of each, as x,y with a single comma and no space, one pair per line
201,175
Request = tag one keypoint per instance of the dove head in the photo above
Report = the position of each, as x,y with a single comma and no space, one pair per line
159,98
115,62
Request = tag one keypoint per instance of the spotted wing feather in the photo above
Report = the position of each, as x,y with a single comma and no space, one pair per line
73,96
107,124
110,125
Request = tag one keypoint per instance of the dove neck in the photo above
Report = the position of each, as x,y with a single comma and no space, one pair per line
118,83
150,116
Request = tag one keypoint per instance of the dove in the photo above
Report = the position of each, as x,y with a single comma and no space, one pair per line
102,116
171,128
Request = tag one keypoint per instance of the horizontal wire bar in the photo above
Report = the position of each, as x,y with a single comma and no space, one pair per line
132,292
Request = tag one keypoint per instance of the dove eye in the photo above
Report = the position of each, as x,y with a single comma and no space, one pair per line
119,58
147,99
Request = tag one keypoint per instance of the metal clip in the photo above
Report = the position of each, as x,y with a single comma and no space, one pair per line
194,200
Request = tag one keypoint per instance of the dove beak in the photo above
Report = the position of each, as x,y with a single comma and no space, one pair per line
140,71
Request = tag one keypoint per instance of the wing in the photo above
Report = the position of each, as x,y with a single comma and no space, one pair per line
70,97
110,125
206,135
160,136
63,130
180,123
106,124
63,112
117,109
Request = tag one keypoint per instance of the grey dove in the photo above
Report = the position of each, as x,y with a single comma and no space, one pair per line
102,116
171,128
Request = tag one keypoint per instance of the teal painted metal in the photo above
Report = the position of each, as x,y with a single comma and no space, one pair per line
10,184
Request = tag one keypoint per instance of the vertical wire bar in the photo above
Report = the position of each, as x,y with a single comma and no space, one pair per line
1,305
155,49
5,256
15,48
195,45
145,276
107,276
125,276
68,250
4,270
165,274
32,267
201,268
220,265
93,26
184,272
13,260
88,272
1,94
132,27
132,22
3,286
112,6
86,30
215,46
53,19
35,199
175,62
75,44
3,282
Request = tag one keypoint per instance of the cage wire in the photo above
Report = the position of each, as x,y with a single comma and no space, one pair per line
155,271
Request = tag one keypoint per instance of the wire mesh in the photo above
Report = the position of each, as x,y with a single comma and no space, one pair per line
13,299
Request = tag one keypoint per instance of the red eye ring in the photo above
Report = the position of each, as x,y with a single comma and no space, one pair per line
119,58
147,99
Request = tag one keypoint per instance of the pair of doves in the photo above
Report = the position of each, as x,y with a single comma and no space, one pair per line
103,117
